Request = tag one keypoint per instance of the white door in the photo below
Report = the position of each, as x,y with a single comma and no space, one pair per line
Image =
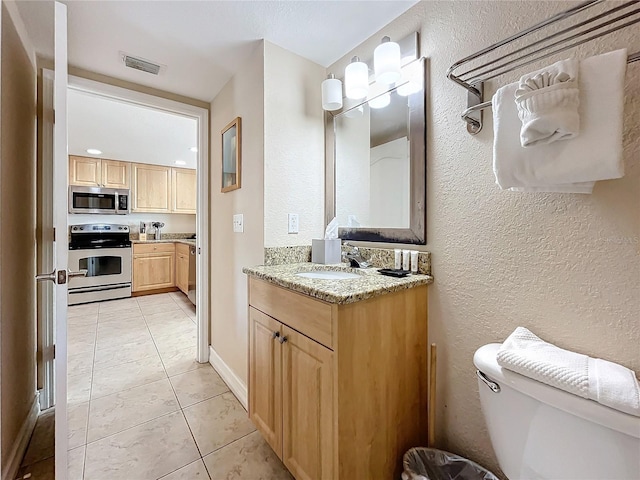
54,185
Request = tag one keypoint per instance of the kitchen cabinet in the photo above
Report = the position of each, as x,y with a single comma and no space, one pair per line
151,188
85,171
153,266
182,267
115,174
98,172
338,391
183,189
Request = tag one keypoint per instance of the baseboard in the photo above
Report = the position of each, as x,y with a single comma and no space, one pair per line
10,469
237,386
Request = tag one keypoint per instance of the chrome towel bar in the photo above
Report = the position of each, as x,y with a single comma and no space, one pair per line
620,16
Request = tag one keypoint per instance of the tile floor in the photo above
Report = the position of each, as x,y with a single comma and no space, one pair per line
141,407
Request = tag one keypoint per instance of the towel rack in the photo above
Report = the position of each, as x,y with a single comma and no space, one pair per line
620,16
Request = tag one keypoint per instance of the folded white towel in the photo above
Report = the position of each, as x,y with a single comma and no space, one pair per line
572,166
547,102
605,382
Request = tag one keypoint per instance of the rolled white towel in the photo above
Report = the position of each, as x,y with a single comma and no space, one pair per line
548,102
604,382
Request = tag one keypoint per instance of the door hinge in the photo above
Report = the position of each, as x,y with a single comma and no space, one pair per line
54,117
54,234
54,351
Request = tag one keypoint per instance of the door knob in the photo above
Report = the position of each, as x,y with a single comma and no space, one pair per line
60,276
44,277
79,273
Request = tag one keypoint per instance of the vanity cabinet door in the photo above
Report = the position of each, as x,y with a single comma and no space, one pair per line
307,407
265,377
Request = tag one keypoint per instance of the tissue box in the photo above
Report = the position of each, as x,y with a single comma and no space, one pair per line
326,251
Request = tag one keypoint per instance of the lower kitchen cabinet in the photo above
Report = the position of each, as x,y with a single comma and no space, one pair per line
182,267
338,391
153,266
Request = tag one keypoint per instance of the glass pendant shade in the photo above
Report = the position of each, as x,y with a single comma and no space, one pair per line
356,79
381,101
386,62
331,94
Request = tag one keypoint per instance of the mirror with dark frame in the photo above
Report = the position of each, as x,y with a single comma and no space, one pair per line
376,164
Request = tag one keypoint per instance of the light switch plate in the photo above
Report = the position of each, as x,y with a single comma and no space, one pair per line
238,223
293,223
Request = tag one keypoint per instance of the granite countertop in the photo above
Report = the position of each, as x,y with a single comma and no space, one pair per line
372,283
188,241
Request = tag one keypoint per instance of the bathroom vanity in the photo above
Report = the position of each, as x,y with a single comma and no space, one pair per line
338,369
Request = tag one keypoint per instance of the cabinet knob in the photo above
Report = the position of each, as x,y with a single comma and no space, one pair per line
275,335
282,339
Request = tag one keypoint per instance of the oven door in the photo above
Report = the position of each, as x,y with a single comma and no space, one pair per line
104,266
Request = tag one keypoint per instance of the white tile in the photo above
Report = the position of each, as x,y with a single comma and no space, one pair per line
113,338
124,353
128,375
78,388
75,465
174,327
81,338
193,471
169,343
118,305
80,363
197,385
134,312
181,361
159,298
247,458
162,317
147,451
87,309
115,413
82,319
77,417
217,422
151,308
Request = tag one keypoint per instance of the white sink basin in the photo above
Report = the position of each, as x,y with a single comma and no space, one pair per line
328,275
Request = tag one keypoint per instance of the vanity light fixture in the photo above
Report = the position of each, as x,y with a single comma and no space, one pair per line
356,79
180,162
93,151
331,93
380,101
386,62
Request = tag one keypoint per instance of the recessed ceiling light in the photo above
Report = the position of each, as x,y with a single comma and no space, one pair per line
180,162
93,151
194,149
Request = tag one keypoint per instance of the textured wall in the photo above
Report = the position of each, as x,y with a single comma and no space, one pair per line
18,243
565,266
242,96
293,147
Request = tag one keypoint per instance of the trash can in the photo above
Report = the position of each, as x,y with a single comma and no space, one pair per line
433,464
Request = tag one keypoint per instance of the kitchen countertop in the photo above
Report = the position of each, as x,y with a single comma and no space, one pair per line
372,283
188,241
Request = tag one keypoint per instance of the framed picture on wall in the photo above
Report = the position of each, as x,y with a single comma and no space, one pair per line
231,155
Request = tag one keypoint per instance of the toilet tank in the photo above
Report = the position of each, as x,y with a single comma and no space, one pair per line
541,432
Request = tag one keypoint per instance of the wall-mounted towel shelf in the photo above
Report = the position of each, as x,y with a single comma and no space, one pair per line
613,18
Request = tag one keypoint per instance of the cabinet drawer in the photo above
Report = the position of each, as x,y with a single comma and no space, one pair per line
310,317
139,248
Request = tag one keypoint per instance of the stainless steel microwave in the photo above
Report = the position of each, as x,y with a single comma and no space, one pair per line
100,200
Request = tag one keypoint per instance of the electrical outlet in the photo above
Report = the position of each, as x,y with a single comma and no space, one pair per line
293,223
238,223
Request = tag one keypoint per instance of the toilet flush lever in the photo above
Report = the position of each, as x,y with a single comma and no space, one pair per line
495,388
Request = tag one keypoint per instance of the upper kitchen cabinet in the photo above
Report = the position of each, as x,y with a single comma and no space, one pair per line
151,188
85,171
183,183
115,174
98,172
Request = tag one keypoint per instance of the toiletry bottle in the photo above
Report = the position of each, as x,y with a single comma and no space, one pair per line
397,256
406,260
414,261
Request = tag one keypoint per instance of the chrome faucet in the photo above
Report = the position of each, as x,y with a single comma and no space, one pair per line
355,258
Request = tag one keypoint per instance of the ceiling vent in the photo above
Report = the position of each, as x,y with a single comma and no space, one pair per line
141,64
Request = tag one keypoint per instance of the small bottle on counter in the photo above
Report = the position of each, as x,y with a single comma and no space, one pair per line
397,255
406,260
414,261
142,235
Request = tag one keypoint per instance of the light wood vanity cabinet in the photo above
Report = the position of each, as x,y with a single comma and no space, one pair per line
338,391
98,172
153,266
182,267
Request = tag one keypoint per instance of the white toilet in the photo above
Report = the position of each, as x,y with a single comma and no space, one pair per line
540,432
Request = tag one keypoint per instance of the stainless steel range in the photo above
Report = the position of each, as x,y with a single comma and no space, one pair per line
103,250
